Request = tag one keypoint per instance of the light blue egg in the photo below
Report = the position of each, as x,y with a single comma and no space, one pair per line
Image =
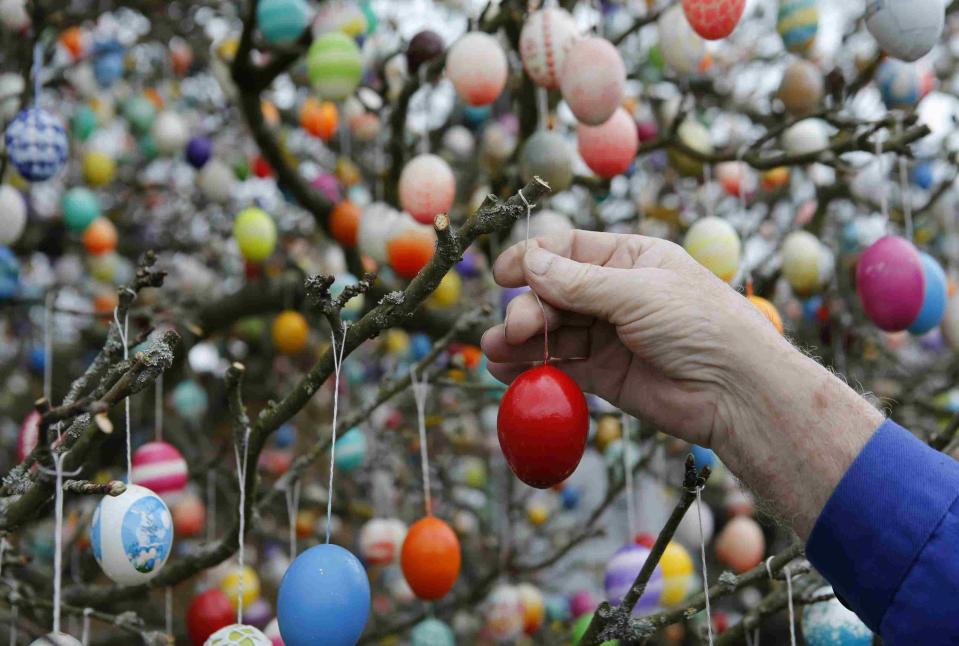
107,62
899,84
350,450
284,436
190,400
935,294
922,174
702,456
282,22
324,598
354,307
420,345
829,623
432,632
9,274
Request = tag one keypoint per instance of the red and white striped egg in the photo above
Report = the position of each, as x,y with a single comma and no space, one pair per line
593,80
547,36
477,67
160,467
713,19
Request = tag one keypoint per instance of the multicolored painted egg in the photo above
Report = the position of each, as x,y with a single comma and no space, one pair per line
381,540
432,632
609,149
681,47
890,283
238,635
801,252
169,133
546,38
935,295
324,597
430,558
547,155
713,19
160,467
241,582
350,450
741,544
906,29
334,66
829,623
797,24
427,187
255,234
477,67
132,535
802,87
282,22
593,80
677,567
13,214
504,613
621,572
36,144
714,243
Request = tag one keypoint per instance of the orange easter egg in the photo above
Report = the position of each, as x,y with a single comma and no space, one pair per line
72,41
319,118
270,114
741,545
410,251
430,558
290,332
345,223
100,237
769,310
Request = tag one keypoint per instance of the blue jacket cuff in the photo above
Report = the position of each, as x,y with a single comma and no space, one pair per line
880,517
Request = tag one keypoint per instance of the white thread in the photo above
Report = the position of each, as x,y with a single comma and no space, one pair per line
904,186
628,475
58,459
210,505
542,308
792,614
702,552
424,144
421,390
14,614
122,332
741,169
337,363
707,190
241,465
768,568
168,610
292,493
158,408
3,548
48,348
883,200
85,632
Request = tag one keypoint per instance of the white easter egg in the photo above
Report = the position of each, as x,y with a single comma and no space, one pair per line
132,535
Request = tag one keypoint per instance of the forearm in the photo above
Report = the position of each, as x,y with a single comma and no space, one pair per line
792,431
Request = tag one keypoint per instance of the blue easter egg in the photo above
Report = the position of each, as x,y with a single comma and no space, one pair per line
899,84
420,346
829,623
935,293
432,632
9,274
922,174
475,115
350,450
198,151
557,608
190,400
36,144
570,497
324,598
508,294
107,62
284,436
469,264
38,358
282,22
810,308
702,456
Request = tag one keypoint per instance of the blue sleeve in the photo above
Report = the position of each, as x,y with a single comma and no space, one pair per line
888,539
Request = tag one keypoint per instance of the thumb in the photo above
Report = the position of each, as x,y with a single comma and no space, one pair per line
578,287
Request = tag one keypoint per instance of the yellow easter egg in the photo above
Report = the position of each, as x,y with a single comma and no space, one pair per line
537,513
714,244
677,566
448,291
98,168
396,341
255,234
608,430
290,332
800,254
250,582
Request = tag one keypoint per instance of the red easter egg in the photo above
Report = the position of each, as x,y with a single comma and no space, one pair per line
208,612
593,81
542,426
890,283
713,19
409,251
609,148
261,167
430,558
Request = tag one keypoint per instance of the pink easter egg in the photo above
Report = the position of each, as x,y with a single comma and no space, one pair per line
741,544
29,434
547,36
427,187
713,19
160,467
609,149
581,603
476,65
890,283
593,80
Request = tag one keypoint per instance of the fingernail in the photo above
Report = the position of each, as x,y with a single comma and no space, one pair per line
538,260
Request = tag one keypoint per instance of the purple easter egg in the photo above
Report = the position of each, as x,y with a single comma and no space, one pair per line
198,151
329,186
582,603
469,265
508,294
259,613
890,283
622,570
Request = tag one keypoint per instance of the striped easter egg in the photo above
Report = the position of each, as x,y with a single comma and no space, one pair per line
334,66
547,36
282,22
621,572
159,466
797,23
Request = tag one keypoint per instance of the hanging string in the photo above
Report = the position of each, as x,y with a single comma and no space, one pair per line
421,390
242,455
542,107
424,145
883,200
346,146
85,632
210,505
123,331
14,614
751,640
628,477
337,364
792,613
168,610
158,408
707,190
58,459
37,68
3,548
542,308
702,553
292,493
904,185
48,347
741,169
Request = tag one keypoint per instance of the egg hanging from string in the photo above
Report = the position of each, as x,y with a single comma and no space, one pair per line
36,144
681,47
56,639
432,632
609,148
238,635
593,80
430,558
427,187
741,544
542,426
477,67
621,571
290,332
381,540
282,22
132,535
350,450
547,155
830,623
714,243
424,47
169,133
238,579
906,29
13,214
255,234
802,87
713,19
544,42
208,612
935,295
797,23
890,283
160,467
678,580
324,597
334,66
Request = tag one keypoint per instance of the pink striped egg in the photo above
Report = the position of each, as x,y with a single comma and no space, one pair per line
547,37
713,19
610,148
160,467
593,80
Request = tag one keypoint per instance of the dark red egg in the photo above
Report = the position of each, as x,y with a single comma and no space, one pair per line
542,426
424,47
